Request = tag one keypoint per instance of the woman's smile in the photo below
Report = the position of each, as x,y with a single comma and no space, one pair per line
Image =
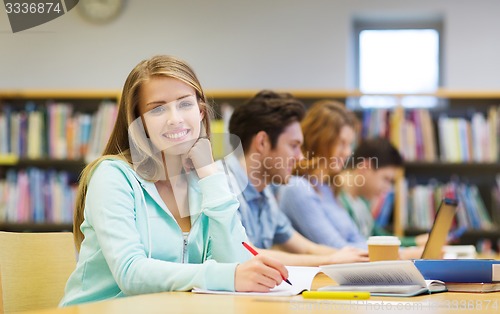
177,135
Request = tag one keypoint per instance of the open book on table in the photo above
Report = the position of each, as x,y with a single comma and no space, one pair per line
301,278
386,278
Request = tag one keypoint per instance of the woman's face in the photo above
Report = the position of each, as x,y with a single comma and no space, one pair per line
171,114
342,149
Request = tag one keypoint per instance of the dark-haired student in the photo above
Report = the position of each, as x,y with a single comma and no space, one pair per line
374,164
268,126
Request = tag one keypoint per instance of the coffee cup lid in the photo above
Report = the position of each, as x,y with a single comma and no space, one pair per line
384,240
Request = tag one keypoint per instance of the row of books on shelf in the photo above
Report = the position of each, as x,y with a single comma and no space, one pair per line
55,131
474,140
413,132
420,202
35,195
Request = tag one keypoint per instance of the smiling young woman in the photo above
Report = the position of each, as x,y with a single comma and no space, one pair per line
146,223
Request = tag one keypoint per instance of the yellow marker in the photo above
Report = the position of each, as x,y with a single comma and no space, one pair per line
344,295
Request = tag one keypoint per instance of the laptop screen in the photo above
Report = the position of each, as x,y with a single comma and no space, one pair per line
440,228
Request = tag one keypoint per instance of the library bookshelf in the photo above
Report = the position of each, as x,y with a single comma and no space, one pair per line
444,156
46,138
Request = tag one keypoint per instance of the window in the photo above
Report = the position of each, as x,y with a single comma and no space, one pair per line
398,58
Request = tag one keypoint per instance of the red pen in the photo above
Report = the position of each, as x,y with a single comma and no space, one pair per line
254,252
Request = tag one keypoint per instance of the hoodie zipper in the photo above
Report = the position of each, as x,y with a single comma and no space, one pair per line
184,248
185,239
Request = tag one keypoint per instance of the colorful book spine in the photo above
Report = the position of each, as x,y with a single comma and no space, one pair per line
422,202
411,131
36,195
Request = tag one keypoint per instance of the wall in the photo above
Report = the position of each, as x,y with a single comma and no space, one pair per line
286,44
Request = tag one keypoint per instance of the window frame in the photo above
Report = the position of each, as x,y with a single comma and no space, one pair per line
361,25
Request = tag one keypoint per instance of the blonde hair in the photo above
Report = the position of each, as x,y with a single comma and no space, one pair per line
128,140
321,128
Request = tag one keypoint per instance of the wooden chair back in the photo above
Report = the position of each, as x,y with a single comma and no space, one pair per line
34,268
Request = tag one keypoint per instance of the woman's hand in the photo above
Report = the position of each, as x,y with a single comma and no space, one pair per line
259,274
413,252
349,255
200,156
421,239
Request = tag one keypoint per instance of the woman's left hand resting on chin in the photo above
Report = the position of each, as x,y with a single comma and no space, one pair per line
200,156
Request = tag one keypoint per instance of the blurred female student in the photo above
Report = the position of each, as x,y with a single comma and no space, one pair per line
153,213
309,199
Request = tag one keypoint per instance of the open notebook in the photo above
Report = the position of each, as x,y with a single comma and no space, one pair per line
386,278
300,277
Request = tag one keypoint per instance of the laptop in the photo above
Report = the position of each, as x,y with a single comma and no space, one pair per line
440,229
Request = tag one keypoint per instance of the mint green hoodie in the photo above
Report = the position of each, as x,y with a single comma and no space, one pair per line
133,245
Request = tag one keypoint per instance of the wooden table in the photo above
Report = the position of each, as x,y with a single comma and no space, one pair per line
186,302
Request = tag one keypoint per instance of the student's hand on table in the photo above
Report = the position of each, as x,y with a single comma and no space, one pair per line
349,255
259,274
414,252
421,239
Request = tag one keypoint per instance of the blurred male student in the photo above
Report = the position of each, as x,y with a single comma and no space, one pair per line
268,126
369,175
